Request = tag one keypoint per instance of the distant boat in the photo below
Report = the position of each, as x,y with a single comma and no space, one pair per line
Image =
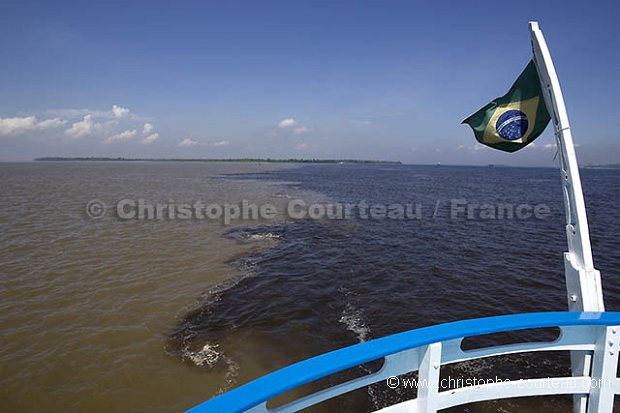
491,165
438,163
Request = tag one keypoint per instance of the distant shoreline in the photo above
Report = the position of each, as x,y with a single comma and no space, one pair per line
252,160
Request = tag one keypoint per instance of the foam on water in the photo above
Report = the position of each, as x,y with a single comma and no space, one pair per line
208,355
253,234
211,357
261,237
352,318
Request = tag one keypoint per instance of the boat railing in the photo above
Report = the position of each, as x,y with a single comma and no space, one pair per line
426,349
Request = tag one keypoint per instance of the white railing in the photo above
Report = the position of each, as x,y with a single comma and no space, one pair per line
425,350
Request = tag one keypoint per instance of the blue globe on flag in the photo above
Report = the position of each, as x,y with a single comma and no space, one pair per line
512,125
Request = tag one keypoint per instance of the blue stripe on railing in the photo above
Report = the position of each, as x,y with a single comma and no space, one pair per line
298,374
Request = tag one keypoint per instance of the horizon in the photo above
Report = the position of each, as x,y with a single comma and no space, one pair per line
389,81
301,161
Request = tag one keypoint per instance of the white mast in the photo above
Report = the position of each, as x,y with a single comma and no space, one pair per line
583,281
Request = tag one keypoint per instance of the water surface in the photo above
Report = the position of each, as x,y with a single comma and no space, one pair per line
161,314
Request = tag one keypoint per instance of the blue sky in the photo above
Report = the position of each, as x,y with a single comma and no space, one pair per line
325,79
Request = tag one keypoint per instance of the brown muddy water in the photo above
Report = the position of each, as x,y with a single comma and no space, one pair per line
87,304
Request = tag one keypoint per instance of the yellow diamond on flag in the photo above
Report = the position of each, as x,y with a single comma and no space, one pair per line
514,120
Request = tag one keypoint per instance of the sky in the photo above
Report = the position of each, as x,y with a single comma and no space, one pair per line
389,80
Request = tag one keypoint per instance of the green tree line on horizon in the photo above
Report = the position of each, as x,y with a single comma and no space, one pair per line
266,160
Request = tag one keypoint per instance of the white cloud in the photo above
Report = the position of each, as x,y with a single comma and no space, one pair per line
535,146
50,123
12,125
79,113
475,148
301,146
360,122
19,125
301,130
88,125
84,127
221,143
119,112
186,143
147,128
150,139
116,113
81,123
128,134
285,123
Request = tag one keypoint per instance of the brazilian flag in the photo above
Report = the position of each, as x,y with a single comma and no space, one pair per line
514,120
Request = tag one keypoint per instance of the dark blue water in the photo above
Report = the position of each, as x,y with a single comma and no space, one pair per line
334,282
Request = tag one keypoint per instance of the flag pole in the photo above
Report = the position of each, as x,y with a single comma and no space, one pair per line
583,281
